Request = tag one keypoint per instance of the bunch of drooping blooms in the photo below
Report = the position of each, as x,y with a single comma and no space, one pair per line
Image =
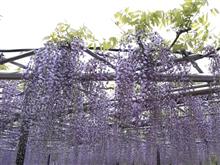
61,107
10,112
118,113
60,104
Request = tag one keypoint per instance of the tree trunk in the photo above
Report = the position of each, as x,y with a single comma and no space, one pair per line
48,160
22,143
158,157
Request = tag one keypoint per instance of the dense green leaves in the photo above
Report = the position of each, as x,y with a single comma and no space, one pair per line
140,20
110,43
192,14
64,33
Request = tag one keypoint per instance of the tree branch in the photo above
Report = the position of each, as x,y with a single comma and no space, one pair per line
99,58
178,33
194,57
194,64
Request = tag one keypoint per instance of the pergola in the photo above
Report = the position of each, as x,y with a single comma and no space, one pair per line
200,83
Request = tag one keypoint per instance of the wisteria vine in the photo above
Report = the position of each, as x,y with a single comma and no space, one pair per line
131,119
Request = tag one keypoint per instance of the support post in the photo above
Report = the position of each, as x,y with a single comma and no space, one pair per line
48,160
22,143
158,157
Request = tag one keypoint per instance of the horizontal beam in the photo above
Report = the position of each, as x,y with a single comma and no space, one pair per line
31,52
14,50
201,92
11,76
160,77
91,48
185,78
192,87
111,77
157,77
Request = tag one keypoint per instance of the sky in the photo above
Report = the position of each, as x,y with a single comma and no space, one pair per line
24,23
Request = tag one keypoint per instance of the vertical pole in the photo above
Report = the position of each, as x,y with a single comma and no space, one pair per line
158,157
22,143
48,160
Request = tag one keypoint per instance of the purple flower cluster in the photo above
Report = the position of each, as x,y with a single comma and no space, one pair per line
129,119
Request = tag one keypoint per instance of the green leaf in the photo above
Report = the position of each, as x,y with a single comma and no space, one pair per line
214,11
205,36
179,46
190,44
126,10
118,15
3,67
113,41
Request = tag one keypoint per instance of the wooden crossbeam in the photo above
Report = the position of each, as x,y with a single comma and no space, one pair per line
192,87
111,77
31,52
201,92
14,50
11,76
186,78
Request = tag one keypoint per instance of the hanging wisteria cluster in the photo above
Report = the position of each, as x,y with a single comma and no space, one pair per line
77,108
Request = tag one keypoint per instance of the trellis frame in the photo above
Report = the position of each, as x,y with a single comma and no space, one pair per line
187,57
201,89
